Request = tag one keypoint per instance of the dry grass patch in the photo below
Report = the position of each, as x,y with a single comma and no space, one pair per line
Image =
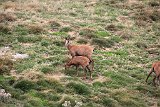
10,5
6,63
5,29
7,17
34,6
35,28
145,15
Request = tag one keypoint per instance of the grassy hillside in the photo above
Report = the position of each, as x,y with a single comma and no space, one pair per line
126,37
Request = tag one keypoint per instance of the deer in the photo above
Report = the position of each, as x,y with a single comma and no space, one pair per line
80,50
82,61
156,69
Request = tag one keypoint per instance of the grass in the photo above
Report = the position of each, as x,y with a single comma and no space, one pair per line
125,37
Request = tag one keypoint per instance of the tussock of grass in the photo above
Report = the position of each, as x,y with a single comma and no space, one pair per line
6,64
54,25
7,17
108,102
79,88
25,85
4,29
125,34
89,33
45,42
35,29
10,4
50,84
46,69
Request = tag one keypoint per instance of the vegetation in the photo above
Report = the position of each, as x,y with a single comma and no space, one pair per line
124,34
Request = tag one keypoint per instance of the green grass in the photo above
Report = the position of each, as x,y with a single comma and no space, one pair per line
125,37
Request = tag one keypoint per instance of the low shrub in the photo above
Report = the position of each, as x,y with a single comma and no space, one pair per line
25,85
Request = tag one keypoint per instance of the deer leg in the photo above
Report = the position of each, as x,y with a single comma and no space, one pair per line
85,71
91,61
158,79
77,71
149,74
154,81
90,72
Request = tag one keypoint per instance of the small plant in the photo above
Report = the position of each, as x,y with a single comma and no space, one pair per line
44,42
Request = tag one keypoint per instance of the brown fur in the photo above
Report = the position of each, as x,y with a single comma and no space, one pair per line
82,61
156,69
80,50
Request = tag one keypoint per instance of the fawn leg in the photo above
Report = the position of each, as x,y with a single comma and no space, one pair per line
90,72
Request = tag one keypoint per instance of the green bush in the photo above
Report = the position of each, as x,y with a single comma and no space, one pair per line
53,84
25,85
44,42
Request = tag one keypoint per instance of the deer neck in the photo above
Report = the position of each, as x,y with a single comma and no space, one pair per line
69,46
